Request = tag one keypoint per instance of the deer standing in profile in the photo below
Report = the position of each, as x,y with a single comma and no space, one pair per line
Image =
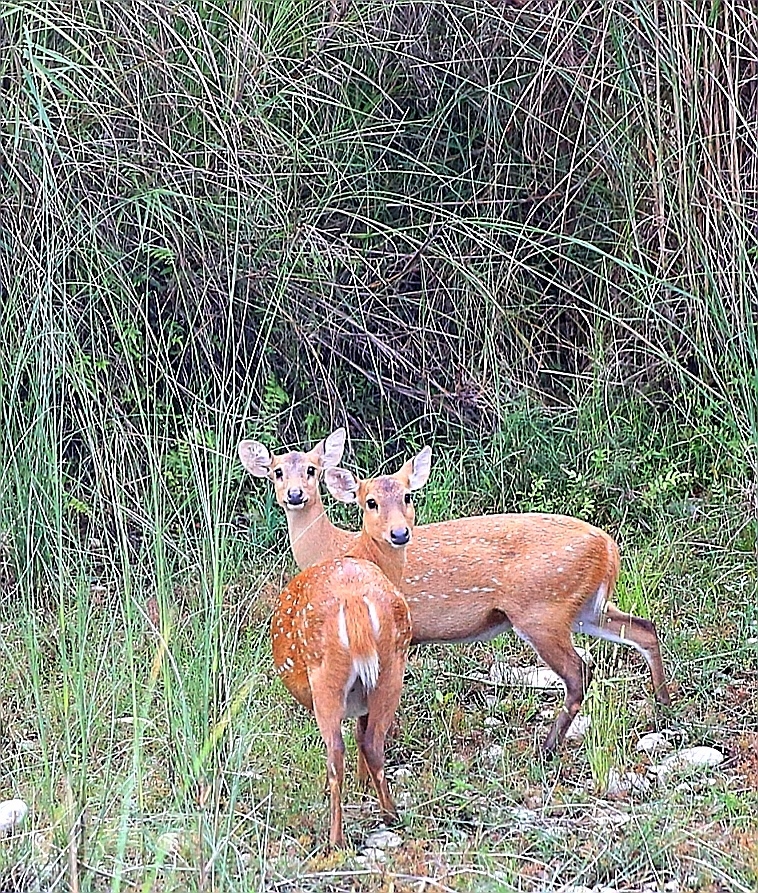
341,631
544,576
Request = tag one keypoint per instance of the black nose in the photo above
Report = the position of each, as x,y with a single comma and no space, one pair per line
400,536
295,497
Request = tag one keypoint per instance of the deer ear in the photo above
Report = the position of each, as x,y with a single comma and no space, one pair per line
419,468
341,484
329,451
255,457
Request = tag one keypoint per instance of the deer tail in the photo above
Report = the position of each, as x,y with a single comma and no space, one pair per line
359,627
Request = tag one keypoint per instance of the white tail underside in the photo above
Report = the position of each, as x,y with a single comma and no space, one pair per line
367,670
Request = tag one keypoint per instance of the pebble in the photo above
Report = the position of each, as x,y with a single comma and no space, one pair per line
654,742
170,843
691,758
525,818
669,887
579,888
494,753
612,819
12,813
579,727
383,839
621,783
540,678
371,856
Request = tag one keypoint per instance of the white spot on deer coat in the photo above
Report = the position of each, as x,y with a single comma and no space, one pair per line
342,627
376,626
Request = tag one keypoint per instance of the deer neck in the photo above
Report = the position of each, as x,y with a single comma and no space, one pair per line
313,537
389,559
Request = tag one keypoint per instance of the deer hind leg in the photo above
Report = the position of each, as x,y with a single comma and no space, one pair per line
328,705
382,704
606,621
558,652
362,772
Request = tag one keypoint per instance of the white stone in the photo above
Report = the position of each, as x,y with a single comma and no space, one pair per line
492,722
12,813
382,840
524,817
499,672
691,758
612,819
541,678
371,855
170,842
621,783
579,727
653,742
494,753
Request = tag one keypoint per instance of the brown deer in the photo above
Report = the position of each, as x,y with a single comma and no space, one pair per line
296,476
468,580
341,631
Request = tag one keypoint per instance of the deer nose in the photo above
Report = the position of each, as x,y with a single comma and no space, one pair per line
295,497
400,536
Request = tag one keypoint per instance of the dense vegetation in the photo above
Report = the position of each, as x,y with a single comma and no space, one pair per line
526,232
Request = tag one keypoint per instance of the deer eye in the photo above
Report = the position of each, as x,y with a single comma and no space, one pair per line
311,471
278,474
372,504
408,499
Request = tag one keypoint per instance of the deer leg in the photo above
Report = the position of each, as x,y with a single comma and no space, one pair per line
626,629
382,704
328,705
558,652
360,731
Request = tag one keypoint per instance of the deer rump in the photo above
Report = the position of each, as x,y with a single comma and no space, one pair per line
360,616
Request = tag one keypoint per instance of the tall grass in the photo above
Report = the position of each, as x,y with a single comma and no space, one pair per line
217,221
442,205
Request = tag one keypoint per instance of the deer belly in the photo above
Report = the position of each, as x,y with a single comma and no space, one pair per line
491,631
457,624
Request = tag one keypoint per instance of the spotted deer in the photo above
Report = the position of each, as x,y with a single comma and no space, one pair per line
341,631
468,580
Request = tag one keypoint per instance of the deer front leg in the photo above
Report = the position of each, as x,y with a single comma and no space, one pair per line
558,652
640,634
